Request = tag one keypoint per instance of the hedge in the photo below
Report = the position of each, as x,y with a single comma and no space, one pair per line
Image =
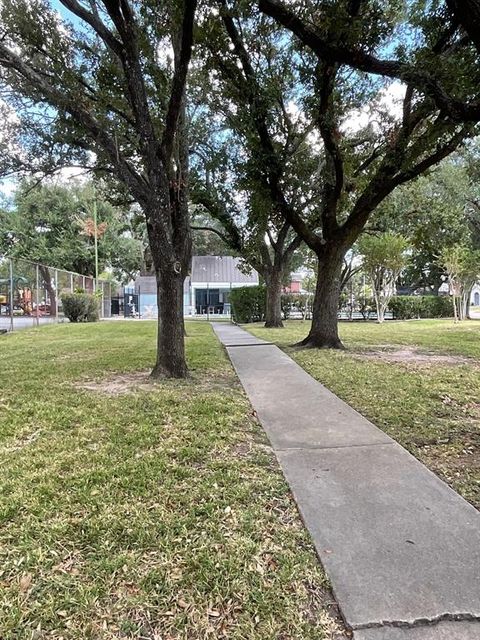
80,307
248,304
409,307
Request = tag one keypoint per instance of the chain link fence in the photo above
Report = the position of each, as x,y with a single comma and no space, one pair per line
31,293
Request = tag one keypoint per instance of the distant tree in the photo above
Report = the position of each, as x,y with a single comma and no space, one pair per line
52,224
463,269
434,212
383,258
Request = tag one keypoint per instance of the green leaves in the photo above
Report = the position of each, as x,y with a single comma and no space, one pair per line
386,251
48,225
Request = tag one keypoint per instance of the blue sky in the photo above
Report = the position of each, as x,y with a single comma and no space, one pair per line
7,186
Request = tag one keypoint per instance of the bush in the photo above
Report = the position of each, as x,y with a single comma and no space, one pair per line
408,307
437,307
93,308
293,303
405,307
248,304
80,307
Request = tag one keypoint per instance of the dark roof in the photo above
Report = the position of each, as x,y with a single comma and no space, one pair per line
220,269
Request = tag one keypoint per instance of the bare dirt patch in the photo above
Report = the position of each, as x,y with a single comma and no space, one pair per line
132,382
120,384
458,463
414,356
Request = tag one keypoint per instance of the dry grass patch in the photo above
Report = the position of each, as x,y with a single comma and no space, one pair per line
120,384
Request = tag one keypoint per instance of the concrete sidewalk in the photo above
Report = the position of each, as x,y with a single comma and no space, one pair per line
401,548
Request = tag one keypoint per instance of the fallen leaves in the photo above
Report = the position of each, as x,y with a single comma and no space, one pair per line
25,582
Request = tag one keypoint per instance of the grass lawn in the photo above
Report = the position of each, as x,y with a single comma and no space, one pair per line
159,513
419,381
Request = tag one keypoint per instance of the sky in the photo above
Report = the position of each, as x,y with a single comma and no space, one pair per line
8,185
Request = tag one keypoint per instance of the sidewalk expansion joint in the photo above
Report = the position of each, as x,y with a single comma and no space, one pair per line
419,622
337,446
252,344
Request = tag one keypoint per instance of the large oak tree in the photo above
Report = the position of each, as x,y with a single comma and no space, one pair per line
337,48
105,83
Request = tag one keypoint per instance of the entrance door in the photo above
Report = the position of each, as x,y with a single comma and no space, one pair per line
207,301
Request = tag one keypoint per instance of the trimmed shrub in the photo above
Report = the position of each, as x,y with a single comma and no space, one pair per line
437,307
248,304
409,307
405,307
93,308
80,307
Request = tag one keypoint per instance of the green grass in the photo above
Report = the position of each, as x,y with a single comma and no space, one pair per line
154,514
431,407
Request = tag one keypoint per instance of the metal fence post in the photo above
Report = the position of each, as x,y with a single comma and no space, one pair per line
56,295
11,294
208,301
71,282
37,302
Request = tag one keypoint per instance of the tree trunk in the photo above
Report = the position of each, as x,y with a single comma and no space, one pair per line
455,315
273,310
324,330
380,309
170,337
52,294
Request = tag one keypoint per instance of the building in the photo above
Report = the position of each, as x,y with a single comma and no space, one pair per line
206,291
295,285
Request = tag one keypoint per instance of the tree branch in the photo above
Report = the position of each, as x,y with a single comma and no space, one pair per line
467,13
97,132
333,176
179,80
97,25
332,53
212,230
218,211
258,113
388,177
